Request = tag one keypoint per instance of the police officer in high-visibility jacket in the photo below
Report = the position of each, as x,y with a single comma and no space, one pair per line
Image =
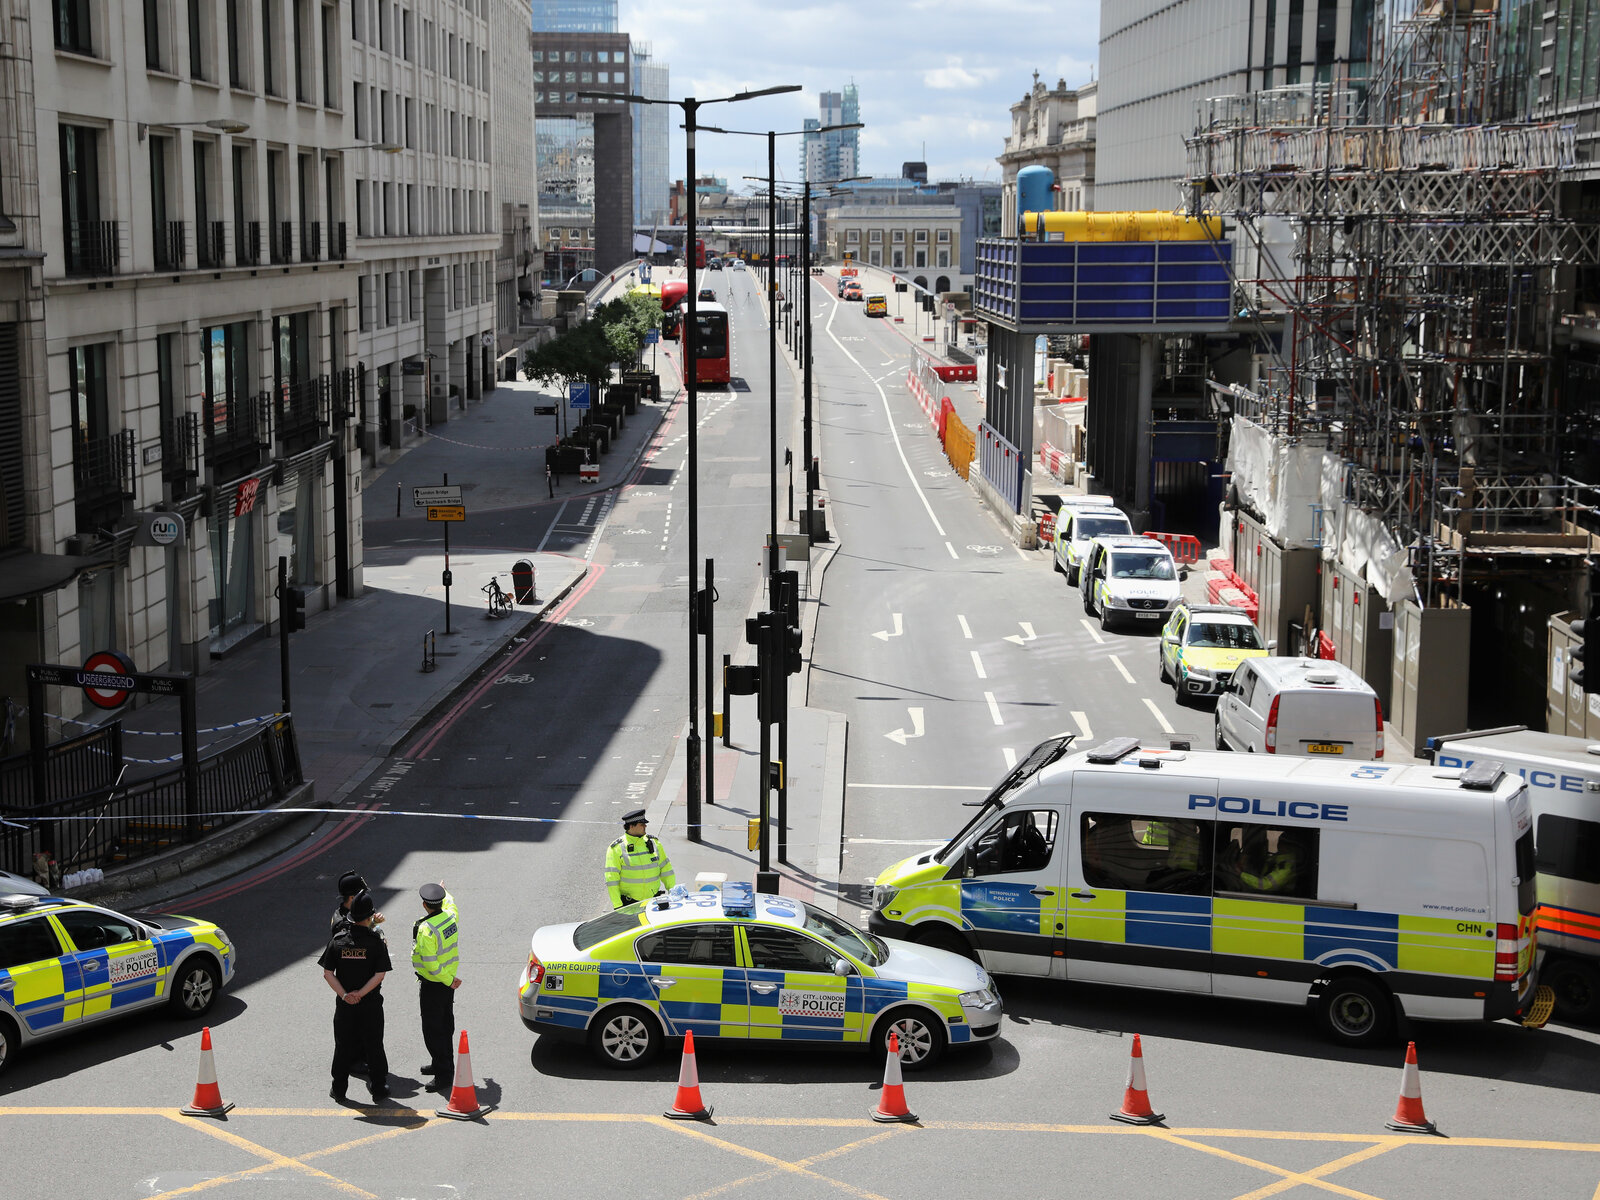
434,957
637,866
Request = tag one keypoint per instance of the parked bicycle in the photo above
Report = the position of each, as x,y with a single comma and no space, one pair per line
499,601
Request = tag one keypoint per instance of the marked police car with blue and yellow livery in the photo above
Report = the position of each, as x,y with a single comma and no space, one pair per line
736,963
66,963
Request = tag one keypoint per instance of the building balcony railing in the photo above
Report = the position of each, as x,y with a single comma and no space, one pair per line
93,247
237,432
310,241
282,241
338,244
247,247
211,245
180,447
169,244
302,412
102,478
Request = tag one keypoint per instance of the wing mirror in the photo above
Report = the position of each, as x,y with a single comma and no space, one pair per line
1272,645
842,967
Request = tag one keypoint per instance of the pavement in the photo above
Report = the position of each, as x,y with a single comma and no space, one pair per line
359,690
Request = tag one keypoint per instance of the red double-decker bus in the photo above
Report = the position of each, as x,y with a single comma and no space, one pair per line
712,345
700,254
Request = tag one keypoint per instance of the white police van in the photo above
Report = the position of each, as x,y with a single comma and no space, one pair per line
1563,778
1367,891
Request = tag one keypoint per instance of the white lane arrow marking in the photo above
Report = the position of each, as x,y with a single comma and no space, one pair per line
900,735
1028,635
883,635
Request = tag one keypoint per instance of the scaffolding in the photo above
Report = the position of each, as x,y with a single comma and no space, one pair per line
1405,262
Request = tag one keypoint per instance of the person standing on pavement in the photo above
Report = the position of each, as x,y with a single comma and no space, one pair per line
434,957
637,866
354,965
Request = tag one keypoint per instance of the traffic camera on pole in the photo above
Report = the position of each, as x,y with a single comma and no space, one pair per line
1586,639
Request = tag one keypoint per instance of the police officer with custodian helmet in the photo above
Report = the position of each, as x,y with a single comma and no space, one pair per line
354,965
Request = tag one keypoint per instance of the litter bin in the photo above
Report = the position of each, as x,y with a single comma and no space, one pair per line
522,584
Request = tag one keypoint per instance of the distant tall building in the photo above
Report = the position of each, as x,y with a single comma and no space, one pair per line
652,132
575,16
837,154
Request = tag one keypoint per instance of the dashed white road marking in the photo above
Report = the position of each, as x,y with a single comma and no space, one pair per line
994,709
966,630
1081,720
1011,757
1093,632
1117,662
977,665
1156,712
952,550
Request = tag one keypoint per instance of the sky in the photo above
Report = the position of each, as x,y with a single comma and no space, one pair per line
937,78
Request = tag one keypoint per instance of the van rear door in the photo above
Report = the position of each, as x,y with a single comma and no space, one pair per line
1327,722
1139,894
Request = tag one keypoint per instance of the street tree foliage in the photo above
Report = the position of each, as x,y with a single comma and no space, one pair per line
614,333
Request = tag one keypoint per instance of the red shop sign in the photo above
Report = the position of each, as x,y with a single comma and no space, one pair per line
244,500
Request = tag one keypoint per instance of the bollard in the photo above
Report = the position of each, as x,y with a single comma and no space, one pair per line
397,488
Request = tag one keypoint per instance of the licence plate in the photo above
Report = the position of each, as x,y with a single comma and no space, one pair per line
1149,616
1323,748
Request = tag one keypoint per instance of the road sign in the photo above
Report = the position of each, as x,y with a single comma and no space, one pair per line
427,497
578,395
447,512
652,336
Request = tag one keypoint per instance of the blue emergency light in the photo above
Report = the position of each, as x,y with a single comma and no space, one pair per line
738,900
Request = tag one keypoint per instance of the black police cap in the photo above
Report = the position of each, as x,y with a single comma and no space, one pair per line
633,818
431,893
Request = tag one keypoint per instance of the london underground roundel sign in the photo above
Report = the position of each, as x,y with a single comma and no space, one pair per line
106,679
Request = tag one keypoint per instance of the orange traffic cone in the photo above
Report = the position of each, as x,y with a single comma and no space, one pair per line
208,1101
1408,1114
1136,1108
688,1106
464,1095
892,1100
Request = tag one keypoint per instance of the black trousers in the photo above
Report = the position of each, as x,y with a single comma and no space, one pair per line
438,1004
358,1035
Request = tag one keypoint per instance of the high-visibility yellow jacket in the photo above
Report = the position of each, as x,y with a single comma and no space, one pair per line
636,869
434,954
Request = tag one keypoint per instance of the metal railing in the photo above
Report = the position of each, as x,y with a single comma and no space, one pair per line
169,245
338,242
93,247
180,447
211,244
310,241
86,763
301,407
238,430
106,827
103,468
282,241
247,248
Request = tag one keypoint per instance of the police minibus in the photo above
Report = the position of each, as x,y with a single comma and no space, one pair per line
1366,890
1563,778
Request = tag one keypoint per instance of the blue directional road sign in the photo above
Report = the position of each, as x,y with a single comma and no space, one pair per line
578,395
652,336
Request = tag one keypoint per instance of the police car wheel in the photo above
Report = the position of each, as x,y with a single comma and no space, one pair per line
1355,1011
195,990
1161,661
1222,742
626,1038
8,1043
921,1039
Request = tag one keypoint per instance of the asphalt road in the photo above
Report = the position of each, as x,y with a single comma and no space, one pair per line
951,653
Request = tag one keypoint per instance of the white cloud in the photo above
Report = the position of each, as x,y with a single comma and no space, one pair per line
917,100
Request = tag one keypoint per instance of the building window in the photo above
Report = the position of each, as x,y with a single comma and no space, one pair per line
360,114
922,258
269,68
91,405
875,257
944,235
237,40
330,56
72,26
154,48
91,244
944,258
922,236
875,237
899,259
899,236
405,34
198,42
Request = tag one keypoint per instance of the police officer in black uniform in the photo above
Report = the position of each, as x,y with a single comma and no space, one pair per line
354,965
351,885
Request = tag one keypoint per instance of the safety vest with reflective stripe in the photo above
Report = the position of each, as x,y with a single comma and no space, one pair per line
434,955
636,869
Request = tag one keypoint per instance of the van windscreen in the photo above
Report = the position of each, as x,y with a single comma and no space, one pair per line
1132,564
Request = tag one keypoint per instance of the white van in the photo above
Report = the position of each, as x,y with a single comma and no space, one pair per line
1563,778
1129,579
1076,526
1368,891
1307,706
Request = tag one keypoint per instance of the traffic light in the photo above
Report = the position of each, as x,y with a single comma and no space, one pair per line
759,631
788,633
1586,635
293,603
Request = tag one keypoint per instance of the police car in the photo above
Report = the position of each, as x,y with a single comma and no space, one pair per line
739,964
1202,645
67,963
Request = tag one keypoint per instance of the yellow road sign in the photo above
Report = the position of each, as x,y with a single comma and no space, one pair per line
447,512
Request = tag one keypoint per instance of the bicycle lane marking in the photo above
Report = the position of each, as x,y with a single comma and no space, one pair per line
432,735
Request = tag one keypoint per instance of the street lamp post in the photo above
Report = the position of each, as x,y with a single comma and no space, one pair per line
691,383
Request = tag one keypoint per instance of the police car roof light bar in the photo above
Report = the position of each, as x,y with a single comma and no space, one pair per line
1483,776
739,899
1113,751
